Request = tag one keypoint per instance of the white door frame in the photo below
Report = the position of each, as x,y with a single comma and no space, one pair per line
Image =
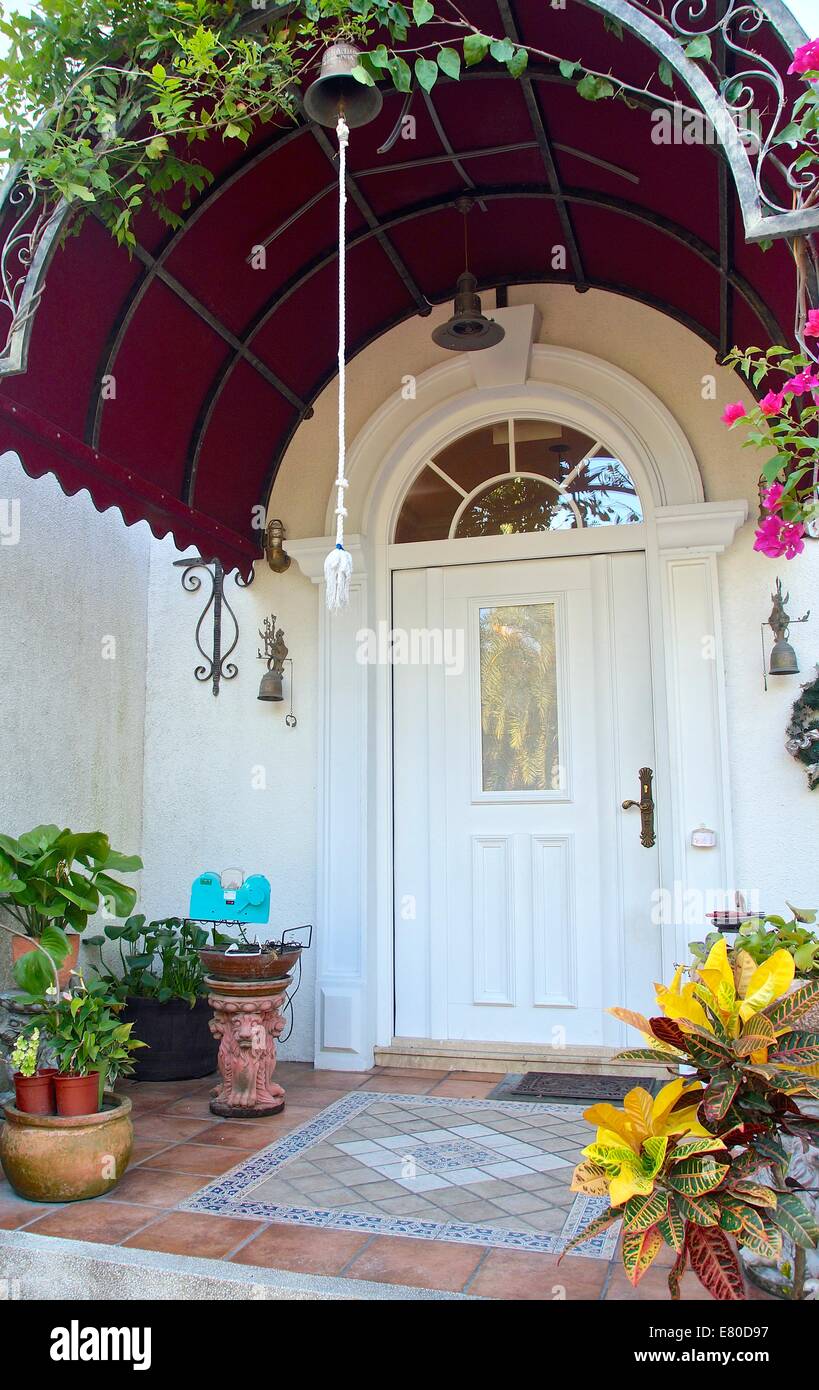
681,536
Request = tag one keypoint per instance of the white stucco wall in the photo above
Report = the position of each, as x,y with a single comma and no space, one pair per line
776,818
227,784
73,596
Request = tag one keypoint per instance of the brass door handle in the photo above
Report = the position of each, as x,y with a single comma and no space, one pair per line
646,805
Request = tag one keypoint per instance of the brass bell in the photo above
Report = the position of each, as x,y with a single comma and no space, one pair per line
271,686
336,92
468,330
783,659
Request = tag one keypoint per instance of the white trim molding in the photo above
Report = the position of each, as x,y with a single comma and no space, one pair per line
707,526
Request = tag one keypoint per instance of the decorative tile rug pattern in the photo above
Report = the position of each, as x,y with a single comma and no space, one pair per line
483,1172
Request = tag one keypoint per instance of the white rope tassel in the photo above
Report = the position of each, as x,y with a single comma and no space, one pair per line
338,567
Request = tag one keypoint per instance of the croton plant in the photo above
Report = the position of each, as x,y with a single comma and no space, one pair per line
702,1166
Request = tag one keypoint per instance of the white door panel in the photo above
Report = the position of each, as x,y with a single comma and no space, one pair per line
523,896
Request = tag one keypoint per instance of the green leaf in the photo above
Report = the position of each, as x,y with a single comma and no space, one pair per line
568,68
666,73
695,1176
361,75
592,88
449,61
641,1213
476,47
426,72
518,63
796,1219
502,50
700,47
422,11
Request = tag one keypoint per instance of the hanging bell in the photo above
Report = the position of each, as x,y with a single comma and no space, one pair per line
336,92
468,330
783,659
271,686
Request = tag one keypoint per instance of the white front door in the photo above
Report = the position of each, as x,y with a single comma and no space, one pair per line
523,904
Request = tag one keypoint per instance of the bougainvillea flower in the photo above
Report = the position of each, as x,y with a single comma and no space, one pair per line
772,403
806,380
776,538
732,413
806,58
812,325
772,497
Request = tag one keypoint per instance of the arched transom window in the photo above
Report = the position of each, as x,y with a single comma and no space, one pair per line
518,475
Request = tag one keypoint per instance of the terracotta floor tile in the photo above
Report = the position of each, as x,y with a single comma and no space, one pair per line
105,1222
207,1159
16,1211
654,1285
168,1127
159,1092
198,1107
146,1148
463,1090
314,1095
520,1275
331,1080
300,1248
193,1233
257,1134
154,1188
422,1264
430,1074
400,1085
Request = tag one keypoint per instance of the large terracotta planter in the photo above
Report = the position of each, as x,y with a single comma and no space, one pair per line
21,945
62,1158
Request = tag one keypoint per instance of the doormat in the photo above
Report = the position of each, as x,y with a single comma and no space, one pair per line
546,1086
480,1172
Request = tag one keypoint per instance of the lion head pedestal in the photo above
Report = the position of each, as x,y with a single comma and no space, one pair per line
247,1020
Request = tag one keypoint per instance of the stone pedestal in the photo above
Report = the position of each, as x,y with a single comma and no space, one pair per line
247,1020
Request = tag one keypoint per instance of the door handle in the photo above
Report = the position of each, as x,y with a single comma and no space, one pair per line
646,805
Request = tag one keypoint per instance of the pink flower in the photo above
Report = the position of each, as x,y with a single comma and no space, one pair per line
772,403
772,498
806,380
806,58
812,325
776,538
732,413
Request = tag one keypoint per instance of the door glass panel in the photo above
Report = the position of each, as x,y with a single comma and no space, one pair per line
513,505
518,690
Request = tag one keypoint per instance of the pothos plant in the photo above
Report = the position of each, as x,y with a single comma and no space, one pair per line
702,1167
763,936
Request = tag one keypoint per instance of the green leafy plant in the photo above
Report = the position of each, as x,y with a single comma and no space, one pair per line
157,961
86,1034
702,1167
24,1056
763,936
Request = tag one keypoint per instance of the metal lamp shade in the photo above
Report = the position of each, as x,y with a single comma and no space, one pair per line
783,659
336,92
271,686
468,330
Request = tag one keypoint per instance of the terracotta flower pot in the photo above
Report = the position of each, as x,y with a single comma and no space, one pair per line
62,1158
77,1095
20,946
34,1095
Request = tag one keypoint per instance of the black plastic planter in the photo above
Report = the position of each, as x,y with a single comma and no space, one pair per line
180,1044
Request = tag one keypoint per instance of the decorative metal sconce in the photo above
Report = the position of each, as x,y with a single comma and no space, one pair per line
277,556
217,666
783,660
275,654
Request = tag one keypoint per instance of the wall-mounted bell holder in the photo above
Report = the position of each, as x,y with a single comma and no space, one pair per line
217,666
783,660
275,654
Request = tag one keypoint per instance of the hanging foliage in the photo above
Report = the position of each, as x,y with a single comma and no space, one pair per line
803,731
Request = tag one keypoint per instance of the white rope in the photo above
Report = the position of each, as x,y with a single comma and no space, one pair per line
339,564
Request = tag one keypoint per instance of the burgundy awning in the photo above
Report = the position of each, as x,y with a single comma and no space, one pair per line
169,383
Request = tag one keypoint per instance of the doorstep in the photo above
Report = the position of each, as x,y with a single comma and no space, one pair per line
436,1055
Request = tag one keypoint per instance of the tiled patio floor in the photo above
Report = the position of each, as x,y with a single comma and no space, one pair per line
181,1148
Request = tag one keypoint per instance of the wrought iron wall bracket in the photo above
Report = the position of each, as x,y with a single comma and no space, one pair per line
217,665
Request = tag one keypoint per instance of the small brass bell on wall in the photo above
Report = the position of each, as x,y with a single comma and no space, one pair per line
335,92
275,654
783,660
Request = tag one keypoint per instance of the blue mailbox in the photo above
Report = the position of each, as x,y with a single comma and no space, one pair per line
212,901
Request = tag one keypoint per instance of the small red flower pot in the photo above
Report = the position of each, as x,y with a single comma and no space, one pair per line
34,1095
77,1095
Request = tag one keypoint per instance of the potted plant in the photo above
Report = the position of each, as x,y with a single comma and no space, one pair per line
51,882
84,1149
33,1085
704,1167
162,987
236,958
